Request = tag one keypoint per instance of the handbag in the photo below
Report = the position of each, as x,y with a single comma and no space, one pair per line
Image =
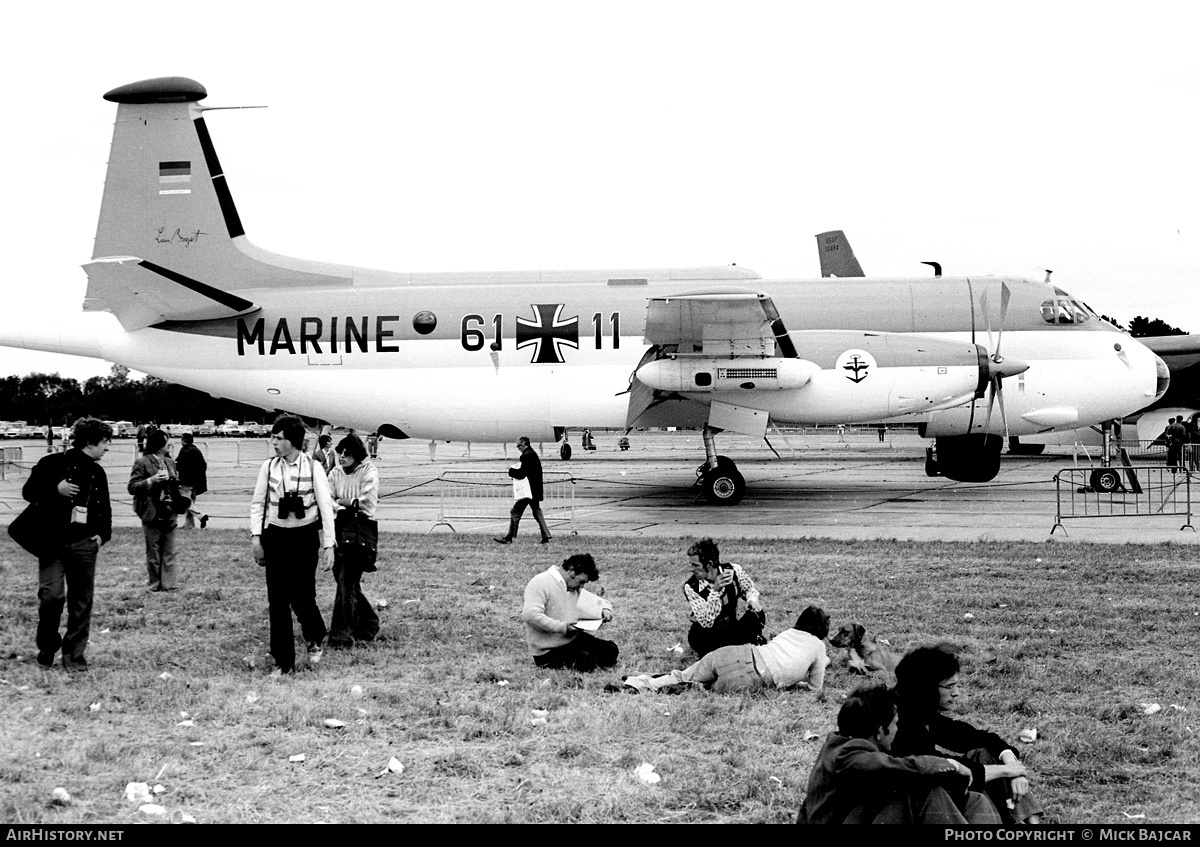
358,538
522,490
29,530
177,500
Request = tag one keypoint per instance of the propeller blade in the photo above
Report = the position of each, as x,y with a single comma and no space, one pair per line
1005,296
999,392
987,422
987,316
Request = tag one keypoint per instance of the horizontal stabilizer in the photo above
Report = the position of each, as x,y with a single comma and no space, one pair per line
141,294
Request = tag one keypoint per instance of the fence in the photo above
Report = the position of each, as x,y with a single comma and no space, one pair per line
1132,492
11,462
488,496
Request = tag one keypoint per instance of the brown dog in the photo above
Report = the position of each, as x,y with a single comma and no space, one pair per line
864,654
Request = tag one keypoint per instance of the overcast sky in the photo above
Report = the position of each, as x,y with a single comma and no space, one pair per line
994,138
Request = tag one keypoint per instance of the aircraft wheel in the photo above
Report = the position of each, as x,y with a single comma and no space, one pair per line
931,468
1105,480
565,452
723,486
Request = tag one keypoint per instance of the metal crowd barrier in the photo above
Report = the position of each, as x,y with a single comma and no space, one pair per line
11,462
1123,492
488,496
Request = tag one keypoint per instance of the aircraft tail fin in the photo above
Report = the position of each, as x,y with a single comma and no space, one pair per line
165,197
170,244
836,255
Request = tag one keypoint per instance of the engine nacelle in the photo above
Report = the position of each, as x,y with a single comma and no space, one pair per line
700,375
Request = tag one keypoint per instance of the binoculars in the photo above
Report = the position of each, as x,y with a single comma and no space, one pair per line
291,504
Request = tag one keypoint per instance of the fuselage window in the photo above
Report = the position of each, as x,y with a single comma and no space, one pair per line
1065,311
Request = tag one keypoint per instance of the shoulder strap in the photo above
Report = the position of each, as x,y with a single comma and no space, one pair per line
267,498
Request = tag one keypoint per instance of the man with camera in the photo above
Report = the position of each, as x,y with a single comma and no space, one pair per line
71,493
291,520
723,601
150,483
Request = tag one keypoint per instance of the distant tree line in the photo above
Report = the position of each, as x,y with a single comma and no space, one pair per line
49,398
1141,327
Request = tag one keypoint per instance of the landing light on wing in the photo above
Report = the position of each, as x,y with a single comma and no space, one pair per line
704,375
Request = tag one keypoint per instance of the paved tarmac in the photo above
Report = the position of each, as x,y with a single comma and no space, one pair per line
821,485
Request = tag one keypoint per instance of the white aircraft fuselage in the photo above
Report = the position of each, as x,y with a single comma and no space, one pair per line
333,353
491,357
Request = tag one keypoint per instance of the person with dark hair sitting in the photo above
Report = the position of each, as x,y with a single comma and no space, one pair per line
926,689
794,657
723,601
856,780
555,603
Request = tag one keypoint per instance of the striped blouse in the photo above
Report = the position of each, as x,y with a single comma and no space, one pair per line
361,485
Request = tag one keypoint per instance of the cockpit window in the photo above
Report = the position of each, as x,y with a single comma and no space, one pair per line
1066,310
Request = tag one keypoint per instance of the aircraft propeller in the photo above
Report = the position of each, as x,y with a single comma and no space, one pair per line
998,367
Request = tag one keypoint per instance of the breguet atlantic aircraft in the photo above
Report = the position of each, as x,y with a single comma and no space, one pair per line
489,357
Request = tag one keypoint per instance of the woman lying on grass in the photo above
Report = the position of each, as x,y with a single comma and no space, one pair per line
926,688
795,657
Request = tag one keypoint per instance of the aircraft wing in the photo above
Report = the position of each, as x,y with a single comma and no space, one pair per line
712,323
718,323
836,255
1178,351
141,294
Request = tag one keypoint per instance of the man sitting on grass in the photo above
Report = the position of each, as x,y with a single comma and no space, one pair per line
794,657
555,603
856,780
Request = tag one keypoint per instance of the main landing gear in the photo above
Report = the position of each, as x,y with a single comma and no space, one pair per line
718,477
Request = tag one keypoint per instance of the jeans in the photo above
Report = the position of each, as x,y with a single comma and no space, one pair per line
160,555
67,577
291,565
353,617
726,669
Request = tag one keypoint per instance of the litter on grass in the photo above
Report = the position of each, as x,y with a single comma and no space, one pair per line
645,773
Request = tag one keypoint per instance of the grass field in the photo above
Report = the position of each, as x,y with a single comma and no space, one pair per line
1068,639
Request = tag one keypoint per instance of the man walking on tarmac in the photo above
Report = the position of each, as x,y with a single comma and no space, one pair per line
528,471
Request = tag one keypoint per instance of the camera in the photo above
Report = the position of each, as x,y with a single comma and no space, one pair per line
291,504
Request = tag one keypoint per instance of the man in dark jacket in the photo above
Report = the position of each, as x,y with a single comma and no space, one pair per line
193,478
71,493
530,470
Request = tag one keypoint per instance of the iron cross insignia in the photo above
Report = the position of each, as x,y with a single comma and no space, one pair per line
548,333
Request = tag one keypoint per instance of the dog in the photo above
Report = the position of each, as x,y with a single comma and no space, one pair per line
864,654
